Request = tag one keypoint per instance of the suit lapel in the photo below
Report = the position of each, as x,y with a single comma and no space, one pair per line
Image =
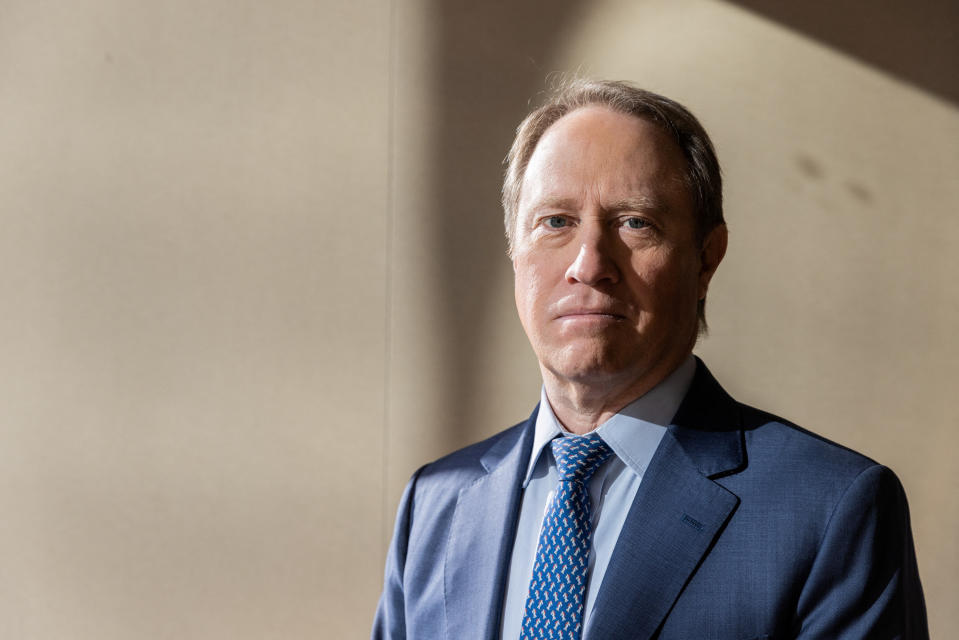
481,539
676,516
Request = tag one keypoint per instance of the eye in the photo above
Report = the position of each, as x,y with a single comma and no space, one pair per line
635,223
557,222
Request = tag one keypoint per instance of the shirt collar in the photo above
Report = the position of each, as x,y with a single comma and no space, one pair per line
634,432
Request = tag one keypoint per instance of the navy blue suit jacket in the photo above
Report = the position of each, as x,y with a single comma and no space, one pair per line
745,526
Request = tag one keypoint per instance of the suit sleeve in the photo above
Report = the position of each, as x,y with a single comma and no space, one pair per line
390,620
864,582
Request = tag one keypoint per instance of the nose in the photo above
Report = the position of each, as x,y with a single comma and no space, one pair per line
594,262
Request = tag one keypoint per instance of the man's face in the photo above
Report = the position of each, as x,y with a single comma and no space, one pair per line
608,272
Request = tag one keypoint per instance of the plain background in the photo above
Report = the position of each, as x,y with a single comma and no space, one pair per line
252,275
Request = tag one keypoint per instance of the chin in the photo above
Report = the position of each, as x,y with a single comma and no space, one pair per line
590,365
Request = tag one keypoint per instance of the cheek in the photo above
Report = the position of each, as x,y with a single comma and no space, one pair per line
522,279
529,290
665,280
650,273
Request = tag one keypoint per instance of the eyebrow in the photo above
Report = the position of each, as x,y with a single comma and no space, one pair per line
565,204
633,203
638,203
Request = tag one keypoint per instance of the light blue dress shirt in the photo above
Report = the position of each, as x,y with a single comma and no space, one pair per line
634,435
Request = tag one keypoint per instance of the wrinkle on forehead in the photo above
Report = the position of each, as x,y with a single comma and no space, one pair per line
599,156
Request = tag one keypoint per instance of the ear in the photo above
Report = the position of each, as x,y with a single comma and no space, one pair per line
714,248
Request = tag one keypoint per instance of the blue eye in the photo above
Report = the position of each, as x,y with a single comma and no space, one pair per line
556,222
636,223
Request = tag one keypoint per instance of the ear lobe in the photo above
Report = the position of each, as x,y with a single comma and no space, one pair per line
714,248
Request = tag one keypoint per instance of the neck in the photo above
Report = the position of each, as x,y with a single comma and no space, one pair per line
583,405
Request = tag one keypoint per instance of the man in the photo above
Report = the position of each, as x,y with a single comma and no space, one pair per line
639,500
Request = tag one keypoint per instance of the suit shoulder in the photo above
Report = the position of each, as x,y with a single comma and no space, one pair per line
468,461
790,448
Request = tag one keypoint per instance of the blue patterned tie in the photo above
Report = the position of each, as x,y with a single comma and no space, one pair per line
554,606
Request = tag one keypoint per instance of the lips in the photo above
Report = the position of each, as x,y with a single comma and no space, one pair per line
576,313
612,311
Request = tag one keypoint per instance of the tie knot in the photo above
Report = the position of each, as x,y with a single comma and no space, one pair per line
578,457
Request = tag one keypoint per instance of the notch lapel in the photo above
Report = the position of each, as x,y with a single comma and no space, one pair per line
671,525
675,518
481,540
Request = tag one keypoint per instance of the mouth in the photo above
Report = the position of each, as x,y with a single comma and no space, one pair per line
614,312
596,313
590,317
590,313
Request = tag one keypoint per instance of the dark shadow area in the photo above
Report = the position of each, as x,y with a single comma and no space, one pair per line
916,41
492,58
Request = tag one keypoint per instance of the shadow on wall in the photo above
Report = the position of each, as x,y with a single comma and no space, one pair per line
493,57
917,42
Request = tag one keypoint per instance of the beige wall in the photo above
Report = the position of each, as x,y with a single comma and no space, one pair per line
249,249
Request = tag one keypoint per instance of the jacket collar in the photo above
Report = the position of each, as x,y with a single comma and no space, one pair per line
709,426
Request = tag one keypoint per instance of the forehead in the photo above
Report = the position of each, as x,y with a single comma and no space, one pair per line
595,151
